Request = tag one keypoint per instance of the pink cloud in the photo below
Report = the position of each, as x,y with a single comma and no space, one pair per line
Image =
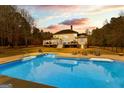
58,7
53,27
56,28
80,21
79,25
100,9
80,8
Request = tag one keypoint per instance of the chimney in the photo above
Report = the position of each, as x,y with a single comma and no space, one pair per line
71,27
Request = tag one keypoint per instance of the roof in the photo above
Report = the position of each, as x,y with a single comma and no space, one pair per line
83,35
66,31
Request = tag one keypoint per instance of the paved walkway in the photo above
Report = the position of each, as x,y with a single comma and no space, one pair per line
12,58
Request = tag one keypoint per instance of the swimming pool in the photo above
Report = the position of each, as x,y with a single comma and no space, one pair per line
66,72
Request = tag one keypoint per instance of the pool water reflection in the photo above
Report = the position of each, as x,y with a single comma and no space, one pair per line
67,72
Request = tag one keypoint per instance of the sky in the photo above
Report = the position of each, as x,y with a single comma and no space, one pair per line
54,18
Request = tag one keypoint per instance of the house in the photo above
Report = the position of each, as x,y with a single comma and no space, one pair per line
67,38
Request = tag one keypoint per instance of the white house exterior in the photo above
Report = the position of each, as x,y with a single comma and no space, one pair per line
67,38
51,42
82,40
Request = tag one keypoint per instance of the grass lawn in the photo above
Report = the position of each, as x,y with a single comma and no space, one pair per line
5,52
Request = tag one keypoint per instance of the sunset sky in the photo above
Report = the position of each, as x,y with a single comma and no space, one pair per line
54,18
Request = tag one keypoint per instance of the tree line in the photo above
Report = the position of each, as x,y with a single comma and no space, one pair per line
110,35
17,28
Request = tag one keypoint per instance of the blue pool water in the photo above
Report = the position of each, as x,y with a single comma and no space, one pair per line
66,72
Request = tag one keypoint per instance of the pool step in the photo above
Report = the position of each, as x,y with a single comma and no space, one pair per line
101,59
28,58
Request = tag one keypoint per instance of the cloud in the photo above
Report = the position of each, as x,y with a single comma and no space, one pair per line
57,7
51,17
79,21
56,28
79,25
101,9
70,9
81,9
78,28
53,27
113,6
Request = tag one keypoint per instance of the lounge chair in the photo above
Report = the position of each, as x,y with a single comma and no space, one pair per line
121,54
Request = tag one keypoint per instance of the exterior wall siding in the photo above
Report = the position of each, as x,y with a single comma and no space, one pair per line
66,37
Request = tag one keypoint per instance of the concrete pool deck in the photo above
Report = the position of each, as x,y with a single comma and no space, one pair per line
12,58
114,57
